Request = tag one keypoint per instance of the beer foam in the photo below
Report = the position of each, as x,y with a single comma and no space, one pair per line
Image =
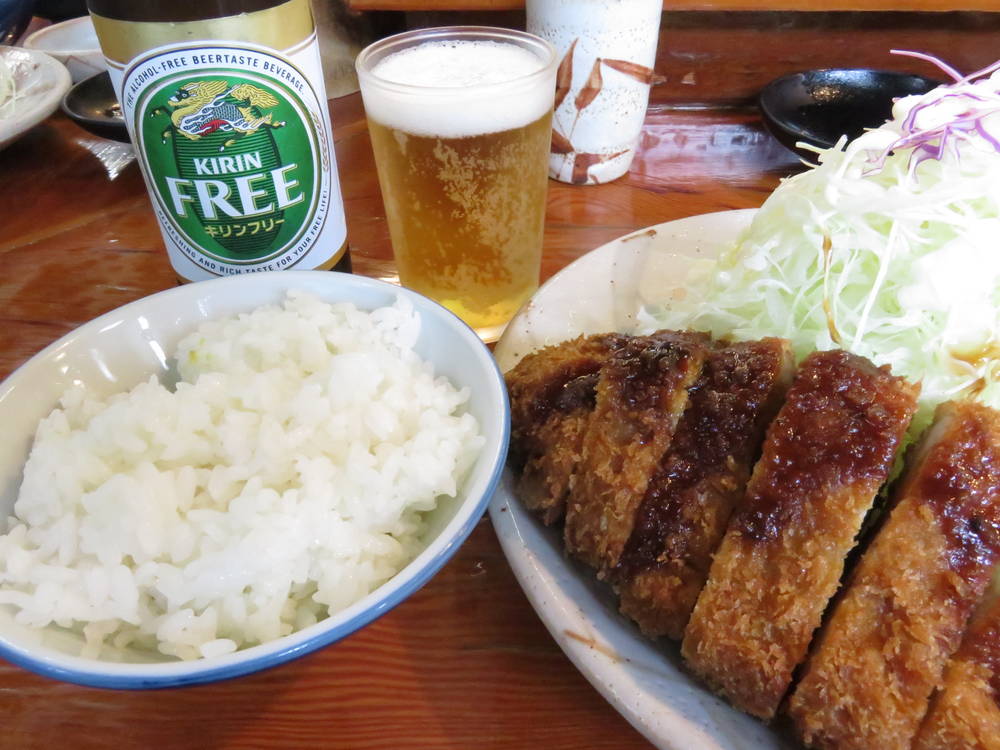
460,88
457,63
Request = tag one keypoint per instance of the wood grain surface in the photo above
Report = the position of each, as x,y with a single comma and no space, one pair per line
465,662
711,5
723,59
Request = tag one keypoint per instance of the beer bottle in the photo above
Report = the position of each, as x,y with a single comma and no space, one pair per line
225,104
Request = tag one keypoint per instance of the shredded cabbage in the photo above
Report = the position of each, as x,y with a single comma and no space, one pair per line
889,247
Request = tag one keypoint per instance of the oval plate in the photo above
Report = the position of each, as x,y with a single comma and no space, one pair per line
40,82
643,680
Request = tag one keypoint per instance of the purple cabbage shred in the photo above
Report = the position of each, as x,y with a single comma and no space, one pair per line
934,142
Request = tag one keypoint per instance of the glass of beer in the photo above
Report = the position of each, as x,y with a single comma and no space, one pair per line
460,122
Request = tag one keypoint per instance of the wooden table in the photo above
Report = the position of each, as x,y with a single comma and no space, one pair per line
713,5
464,663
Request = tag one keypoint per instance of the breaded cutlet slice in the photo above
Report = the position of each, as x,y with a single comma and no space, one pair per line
699,481
641,392
824,458
965,712
552,393
907,602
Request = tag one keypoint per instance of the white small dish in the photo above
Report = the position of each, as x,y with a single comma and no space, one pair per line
40,81
118,350
643,680
73,43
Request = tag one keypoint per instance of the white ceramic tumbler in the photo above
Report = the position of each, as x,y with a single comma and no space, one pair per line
607,48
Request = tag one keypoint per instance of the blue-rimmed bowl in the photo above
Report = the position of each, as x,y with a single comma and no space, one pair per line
123,347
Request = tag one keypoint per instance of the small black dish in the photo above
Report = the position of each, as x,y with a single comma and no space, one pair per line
14,17
93,105
819,106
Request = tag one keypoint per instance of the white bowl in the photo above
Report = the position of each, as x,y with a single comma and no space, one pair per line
41,83
74,44
123,347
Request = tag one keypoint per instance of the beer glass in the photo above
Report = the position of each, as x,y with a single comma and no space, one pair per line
460,122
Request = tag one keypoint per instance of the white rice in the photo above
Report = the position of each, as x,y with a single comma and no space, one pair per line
283,479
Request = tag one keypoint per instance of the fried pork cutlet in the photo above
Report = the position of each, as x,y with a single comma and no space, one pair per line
824,457
965,713
552,393
689,500
641,392
906,604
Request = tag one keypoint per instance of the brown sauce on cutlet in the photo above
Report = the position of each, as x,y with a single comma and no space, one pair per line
985,650
571,384
841,424
636,370
961,482
578,393
565,390
716,428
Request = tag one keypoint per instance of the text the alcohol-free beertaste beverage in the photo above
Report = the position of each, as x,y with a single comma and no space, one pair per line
225,104
461,130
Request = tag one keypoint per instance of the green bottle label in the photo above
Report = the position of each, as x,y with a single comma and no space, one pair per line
235,146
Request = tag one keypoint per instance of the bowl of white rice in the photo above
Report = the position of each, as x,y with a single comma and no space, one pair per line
224,476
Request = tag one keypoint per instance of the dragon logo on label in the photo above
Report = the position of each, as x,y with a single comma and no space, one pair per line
201,108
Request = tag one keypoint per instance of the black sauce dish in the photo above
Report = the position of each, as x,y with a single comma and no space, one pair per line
14,17
92,104
819,106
